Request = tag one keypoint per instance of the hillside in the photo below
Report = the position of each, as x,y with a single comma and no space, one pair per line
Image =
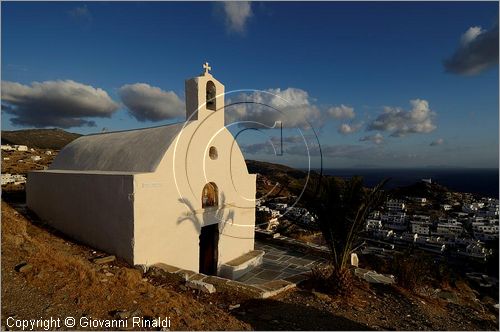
39,138
280,180
61,280
274,170
294,179
421,189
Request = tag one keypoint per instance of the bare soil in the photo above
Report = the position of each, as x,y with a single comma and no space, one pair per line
65,282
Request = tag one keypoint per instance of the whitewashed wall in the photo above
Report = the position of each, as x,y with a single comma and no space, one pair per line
95,209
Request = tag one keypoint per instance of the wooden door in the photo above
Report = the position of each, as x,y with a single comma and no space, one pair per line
209,241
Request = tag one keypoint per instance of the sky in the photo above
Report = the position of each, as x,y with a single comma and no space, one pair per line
383,84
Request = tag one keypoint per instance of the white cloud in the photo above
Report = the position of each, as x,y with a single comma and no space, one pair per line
237,14
55,103
335,151
341,112
375,139
420,119
346,128
439,141
146,102
288,139
470,35
81,14
291,106
294,145
256,148
478,51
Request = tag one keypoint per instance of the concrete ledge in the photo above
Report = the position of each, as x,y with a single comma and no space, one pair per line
321,251
244,289
275,287
205,287
167,268
374,277
211,283
216,281
186,274
241,265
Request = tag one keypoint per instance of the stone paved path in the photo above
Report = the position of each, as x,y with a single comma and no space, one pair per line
280,262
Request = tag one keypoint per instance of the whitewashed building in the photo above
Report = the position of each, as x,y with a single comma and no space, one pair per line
420,227
178,194
395,205
419,200
449,229
446,207
13,178
486,230
373,224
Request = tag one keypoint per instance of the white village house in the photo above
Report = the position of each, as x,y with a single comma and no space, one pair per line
178,194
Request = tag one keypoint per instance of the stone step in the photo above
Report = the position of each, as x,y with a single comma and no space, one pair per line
241,265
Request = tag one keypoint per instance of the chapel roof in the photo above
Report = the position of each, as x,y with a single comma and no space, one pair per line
138,150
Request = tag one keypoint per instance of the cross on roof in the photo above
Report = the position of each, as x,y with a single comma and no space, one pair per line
206,67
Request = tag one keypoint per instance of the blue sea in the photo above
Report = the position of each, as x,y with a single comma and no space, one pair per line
478,181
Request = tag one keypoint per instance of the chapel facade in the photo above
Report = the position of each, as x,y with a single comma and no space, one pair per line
178,194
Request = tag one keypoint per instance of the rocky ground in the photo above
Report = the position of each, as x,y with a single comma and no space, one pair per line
47,275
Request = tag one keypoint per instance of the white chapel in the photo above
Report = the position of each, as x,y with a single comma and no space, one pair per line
178,194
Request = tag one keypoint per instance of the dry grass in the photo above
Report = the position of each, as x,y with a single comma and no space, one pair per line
311,237
64,276
13,165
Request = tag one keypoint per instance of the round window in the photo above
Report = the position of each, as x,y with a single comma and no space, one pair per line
212,152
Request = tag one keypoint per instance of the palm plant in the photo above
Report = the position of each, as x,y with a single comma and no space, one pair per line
342,208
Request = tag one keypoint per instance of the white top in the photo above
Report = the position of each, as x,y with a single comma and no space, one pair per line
138,150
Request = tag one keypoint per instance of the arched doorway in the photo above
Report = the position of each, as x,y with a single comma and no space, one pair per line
211,94
210,195
209,236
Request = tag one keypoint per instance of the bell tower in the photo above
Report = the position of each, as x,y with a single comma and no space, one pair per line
204,97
